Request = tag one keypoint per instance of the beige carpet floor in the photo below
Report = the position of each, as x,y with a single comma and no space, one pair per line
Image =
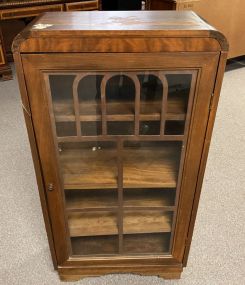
217,254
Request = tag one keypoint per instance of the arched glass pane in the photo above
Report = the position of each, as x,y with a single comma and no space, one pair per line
120,105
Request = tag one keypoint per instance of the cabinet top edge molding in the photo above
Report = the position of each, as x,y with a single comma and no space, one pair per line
56,26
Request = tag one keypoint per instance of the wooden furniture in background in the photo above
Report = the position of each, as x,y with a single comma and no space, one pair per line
14,15
5,70
171,4
226,16
229,18
119,109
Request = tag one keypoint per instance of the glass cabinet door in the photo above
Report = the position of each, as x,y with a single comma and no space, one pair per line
120,140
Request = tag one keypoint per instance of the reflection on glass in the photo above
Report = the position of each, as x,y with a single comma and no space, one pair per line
149,127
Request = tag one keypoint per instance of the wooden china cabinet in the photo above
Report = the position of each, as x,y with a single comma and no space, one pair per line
119,108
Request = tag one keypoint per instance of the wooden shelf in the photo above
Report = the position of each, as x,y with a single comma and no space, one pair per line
146,243
146,222
95,245
132,244
148,167
105,223
88,169
145,167
148,197
91,199
119,111
83,200
92,224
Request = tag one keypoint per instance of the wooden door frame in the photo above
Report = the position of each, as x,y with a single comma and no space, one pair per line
36,64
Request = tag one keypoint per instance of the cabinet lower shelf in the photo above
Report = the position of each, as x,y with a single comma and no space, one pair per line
105,223
132,244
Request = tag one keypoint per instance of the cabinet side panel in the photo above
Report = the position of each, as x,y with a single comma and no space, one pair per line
211,120
199,120
34,151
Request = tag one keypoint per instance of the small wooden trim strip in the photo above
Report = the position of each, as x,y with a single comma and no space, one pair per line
103,102
194,84
162,77
124,138
76,103
135,78
120,194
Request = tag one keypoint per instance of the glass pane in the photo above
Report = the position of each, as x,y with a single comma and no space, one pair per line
120,128
92,223
179,86
120,95
93,232
151,164
88,165
91,128
150,94
136,221
62,102
147,231
89,98
178,91
174,128
64,129
120,192
77,199
95,245
150,128
146,243
153,197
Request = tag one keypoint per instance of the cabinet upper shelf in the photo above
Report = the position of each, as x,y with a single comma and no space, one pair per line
120,111
144,167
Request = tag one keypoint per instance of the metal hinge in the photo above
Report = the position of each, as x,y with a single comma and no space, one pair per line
211,101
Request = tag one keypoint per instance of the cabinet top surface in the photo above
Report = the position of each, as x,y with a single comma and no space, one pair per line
126,22
55,26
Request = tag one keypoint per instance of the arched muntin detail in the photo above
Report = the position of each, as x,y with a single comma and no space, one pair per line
162,77
76,82
164,81
104,81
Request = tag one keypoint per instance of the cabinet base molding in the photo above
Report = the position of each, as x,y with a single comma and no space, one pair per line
75,274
